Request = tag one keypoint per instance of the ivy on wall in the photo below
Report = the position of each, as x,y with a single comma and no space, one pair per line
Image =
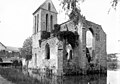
45,35
70,36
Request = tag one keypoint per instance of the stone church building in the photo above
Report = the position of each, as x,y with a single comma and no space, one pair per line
62,49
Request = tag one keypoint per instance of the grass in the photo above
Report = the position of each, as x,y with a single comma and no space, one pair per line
17,77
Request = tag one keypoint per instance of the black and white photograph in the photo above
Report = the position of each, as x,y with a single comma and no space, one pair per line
59,41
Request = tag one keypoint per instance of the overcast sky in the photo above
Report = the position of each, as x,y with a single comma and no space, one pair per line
16,20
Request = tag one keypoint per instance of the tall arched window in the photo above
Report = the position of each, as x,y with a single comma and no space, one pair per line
35,25
90,44
47,50
51,22
46,22
37,22
35,59
49,6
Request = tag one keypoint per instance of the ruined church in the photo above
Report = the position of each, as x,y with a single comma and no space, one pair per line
63,48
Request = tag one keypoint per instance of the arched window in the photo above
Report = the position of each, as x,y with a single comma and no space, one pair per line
46,22
35,59
89,39
69,52
51,22
35,25
49,6
90,44
37,22
47,50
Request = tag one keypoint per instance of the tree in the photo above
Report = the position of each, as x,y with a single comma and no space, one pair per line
71,7
114,3
26,50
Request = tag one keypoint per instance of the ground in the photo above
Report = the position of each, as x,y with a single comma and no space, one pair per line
4,81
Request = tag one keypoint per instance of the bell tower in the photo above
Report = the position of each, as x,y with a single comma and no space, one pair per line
45,17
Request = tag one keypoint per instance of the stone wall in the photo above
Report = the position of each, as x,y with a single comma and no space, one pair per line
79,60
43,63
43,20
98,61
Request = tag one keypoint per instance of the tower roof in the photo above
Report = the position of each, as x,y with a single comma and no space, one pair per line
45,6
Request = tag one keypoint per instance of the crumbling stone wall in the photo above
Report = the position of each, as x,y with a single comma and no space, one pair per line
79,60
42,62
58,62
98,61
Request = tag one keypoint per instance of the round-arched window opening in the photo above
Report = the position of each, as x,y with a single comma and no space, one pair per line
89,39
69,52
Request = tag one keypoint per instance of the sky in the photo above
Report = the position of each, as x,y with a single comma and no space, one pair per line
16,20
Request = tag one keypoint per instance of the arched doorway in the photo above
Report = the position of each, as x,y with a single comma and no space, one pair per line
69,52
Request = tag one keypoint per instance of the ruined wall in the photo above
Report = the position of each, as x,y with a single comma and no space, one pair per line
99,46
60,58
103,59
40,62
51,63
78,61
68,26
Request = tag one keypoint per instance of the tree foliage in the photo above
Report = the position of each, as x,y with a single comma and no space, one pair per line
114,3
72,9
26,50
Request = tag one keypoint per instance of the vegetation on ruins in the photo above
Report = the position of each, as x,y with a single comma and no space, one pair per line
45,35
70,36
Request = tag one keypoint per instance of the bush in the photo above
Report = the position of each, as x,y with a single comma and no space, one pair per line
17,63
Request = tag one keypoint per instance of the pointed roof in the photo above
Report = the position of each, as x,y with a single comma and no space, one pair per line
2,46
45,6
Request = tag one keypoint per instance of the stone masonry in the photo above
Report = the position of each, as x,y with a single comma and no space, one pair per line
65,52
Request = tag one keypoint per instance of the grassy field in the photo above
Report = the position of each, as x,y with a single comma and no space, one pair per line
17,77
